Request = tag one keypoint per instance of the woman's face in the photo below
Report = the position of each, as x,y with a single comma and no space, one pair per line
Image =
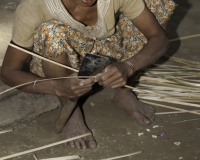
84,3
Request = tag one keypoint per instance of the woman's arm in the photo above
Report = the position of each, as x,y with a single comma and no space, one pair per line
157,43
116,74
13,75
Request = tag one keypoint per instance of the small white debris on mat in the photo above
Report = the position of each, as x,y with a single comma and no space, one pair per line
92,104
180,157
177,143
154,136
156,126
128,133
148,130
140,134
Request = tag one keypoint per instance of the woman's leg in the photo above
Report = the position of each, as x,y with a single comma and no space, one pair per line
125,98
51,41
75,125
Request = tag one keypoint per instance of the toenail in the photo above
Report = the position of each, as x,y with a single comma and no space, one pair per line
91,143
72,146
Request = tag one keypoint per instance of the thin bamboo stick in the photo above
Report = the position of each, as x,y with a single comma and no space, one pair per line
184,38
171,40
127,155
175,112
6,131
43,58
35,157
44,147
174,108
63,158
173,102
45,80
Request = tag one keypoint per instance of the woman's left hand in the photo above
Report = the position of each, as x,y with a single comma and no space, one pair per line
114,75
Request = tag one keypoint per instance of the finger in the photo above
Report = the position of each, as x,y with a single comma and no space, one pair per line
86,82
114,80
118,83
105,75
82,90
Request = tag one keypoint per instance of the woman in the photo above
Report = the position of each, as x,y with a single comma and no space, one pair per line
65,30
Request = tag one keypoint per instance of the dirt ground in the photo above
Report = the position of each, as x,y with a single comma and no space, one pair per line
115,132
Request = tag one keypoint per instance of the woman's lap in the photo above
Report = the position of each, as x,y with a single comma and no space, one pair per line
54,38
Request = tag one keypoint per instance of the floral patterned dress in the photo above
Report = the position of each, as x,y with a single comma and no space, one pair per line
54,38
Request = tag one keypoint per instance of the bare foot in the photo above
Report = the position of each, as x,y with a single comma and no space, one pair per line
75,127
140,111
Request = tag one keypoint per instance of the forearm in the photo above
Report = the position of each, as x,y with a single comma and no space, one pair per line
151,52
17,77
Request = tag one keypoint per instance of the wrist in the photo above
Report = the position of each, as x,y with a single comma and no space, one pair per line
55,87
131,68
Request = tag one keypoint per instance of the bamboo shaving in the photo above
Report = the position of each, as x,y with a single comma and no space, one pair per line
44,147
6,131
63,158
176,112
127,155
173,102
174,108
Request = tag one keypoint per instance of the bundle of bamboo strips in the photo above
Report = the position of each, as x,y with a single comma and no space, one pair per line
175,84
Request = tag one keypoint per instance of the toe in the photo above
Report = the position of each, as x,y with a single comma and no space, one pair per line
83,144
71,144
91,142
141,119
149,116
77,144
152,109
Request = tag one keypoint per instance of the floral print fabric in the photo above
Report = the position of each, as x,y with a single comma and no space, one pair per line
54,38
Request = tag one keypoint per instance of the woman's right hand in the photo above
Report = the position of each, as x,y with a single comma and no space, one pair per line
72,87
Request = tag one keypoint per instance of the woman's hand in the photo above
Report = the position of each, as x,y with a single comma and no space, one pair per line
72,87
115,75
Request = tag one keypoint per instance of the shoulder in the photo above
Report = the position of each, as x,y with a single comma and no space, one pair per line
130,8
30,6
28,16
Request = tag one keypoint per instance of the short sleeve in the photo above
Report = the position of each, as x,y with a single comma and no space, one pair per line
28,17
131,8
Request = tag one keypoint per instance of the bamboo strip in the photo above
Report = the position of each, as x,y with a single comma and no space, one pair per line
184,38
44,80
175,112
171,40
173,66
6,131
35,157
43,58
127,155
63,158
172,85
182,60
189,120
166,88
44,147
174,108
163,100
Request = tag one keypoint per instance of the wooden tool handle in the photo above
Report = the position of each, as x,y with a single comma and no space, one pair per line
64,115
